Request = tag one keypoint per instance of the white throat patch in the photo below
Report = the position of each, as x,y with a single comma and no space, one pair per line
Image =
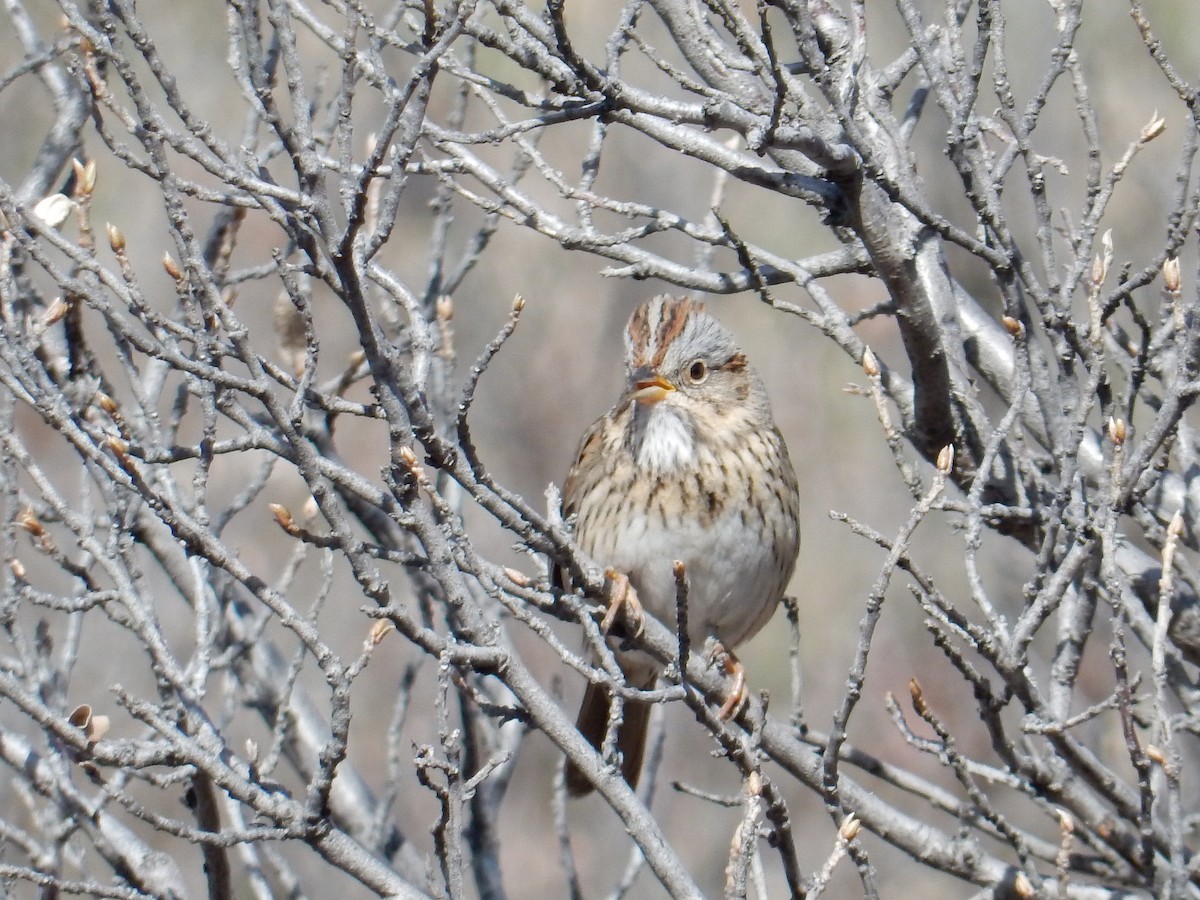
667,441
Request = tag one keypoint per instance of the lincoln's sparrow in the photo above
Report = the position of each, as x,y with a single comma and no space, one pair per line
687,466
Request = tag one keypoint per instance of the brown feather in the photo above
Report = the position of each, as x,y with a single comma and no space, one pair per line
593,725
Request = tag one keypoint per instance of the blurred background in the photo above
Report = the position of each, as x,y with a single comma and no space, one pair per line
563,368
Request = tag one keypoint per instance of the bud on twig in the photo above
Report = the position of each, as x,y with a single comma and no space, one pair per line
1116,430
379,630
283,516
116,238
93,727
118,447
106,403
1012,326
945,459
850,828
172,267
85,177
754,784
54,210
917,695
520,579
414,466
869,363
1171,279
443,314
55,312
30,522
1156,126
1103,259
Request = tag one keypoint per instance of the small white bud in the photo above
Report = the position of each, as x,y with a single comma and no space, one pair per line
54,210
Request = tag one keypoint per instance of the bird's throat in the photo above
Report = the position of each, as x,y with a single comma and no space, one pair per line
663,438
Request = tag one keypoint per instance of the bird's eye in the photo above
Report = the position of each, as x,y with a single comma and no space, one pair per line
697,372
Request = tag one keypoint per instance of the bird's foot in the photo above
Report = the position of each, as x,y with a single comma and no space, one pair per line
732,667
623,603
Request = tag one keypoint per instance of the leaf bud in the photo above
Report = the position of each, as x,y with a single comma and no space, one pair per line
116,238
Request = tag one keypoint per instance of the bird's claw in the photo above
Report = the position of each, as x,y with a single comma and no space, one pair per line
733,667
622,601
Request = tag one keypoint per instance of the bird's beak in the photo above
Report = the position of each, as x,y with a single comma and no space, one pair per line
649,387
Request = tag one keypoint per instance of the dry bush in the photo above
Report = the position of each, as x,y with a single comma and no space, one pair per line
272,605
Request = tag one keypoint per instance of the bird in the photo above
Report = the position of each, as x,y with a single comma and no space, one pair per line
688,467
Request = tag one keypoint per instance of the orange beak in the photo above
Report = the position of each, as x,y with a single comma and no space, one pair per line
650,387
